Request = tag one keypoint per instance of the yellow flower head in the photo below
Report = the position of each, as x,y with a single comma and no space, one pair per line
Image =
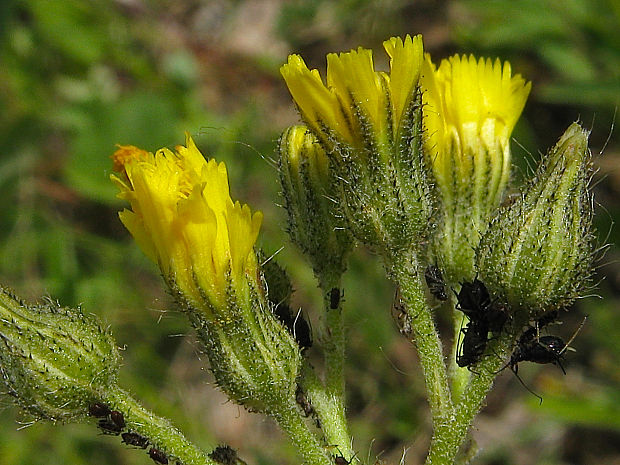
183,218
355,96
470,109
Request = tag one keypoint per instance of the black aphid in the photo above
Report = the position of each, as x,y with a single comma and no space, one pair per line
540,349
484,316
98,410
474,343
158,456
435,282
475,302
117,418
531,347
132,438
107,426
334,298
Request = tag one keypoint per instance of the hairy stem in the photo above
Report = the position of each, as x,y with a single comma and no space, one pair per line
159,431
448,439
330,412
333,341
293,424
426,339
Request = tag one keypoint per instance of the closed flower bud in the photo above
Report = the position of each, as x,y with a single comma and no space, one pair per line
313,221
470,109
537,253
183,218
370,125
54,361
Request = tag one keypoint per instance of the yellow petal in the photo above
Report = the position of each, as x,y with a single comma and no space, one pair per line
183,218
317,103
405,67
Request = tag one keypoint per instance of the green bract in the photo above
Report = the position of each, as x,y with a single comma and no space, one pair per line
537,252
253,357
54,361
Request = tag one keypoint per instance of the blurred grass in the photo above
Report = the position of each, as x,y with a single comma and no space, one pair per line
78,77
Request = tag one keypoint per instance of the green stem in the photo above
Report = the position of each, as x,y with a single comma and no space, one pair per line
426,339
448,439
293,424
333,344
459,376
330,412
331,402
159,431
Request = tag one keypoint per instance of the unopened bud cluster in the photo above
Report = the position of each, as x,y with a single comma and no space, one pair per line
369,124
421,156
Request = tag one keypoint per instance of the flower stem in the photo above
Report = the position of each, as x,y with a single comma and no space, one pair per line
159,431
330,412
334,343
426,340
293,424
333,401
448,439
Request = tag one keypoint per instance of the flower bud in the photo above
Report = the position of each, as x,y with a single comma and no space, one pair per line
470,109
54,361
184,219
308,193
537,253
370,125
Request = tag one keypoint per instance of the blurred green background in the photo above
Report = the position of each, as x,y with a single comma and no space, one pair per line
78,77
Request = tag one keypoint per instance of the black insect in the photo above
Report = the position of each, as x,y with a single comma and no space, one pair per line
435,282
158,456
296,324
484,316
334,298
225,455
118,419
531,347
134,439
475,302
98,410
107,426
474,343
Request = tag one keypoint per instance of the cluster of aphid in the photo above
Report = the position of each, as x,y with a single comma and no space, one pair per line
484,316
487,316
113,422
